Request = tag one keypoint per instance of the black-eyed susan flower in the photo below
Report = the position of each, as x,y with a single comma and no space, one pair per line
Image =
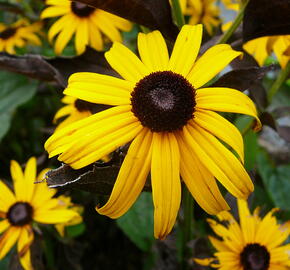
74,110
161,107
253,244
87,23
29,203
18,35
262,47
201,11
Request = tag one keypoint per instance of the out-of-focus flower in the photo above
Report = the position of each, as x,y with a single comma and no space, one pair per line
66,203
161,106
29,203
201,11
253,244
87,23
262,47
18,35
75,109
232,4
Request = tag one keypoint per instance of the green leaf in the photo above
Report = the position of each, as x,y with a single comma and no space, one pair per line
137,223
251,149
276,180
15,90
75,230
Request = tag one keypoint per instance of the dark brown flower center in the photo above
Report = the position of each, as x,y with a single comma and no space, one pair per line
163,101
255,257
81,10
7,33
20,214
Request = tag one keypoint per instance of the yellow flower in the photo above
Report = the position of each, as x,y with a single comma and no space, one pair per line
262,47
74,110
201,11
19,35
65,203
87,23
161,106
232,4
30,202
254,244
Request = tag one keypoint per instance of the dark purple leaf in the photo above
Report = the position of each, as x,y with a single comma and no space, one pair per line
266,18
154,14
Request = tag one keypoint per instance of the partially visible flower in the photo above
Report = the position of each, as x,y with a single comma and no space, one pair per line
232,4
66,203
18,35
253,244
202,11
73,111
87,23
262,47
29,203
162,107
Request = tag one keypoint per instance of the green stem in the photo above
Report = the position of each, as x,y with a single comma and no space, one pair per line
234,25
144,29
188,204
282,77
178,13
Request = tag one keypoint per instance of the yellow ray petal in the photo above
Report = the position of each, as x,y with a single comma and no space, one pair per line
126,63
95,37
25,240
166,186
211,63
54,11
200,181
153,51
221,128
131,178
30,177
4,224
58,26
219,161
226,100
42,195
8,239
18,180
82,36
54,216
7,197
186,49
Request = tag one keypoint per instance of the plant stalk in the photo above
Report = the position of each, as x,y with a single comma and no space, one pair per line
178,13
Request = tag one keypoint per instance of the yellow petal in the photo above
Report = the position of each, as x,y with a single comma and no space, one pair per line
54,216
54,11
200,181
18,180
186,49
219,161
221,128
213,61
30,177
153,51
95,37
82,36
7,197
4,225
226,100
131,178
166,186
8,239
126,63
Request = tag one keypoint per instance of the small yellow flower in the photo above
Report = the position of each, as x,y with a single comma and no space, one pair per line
74,110
29,203
253,244
18,35
201,11
87,23
262,47
161,106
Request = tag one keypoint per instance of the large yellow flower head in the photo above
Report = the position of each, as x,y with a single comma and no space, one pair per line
29,203
201,11
87,23
261,48
253,244
18,35
160,106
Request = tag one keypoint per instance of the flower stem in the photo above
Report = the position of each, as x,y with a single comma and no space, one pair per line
283,75
178,13
234,25
188,204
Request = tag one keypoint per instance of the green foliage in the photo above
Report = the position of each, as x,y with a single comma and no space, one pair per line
276,180
75,230
15,90
137,223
